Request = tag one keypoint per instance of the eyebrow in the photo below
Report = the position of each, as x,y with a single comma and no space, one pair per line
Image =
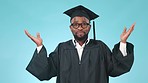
84,20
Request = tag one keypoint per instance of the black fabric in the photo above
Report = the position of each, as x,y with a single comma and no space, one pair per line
96,65
81,11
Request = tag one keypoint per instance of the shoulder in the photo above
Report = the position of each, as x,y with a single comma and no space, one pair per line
66,45
97,42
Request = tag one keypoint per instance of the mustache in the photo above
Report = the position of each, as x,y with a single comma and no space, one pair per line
81,31
83,38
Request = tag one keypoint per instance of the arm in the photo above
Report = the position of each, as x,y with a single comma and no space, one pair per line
119,64
41,66
122,48
121,60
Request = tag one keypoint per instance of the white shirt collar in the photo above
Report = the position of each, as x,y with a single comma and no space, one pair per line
77,44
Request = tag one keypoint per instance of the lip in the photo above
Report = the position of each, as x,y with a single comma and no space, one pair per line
80,33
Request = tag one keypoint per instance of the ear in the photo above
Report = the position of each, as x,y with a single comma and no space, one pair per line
90,26
70,27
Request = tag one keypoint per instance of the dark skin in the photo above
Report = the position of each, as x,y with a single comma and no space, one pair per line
81,32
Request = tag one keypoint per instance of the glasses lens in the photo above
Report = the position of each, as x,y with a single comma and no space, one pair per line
76,25
84,25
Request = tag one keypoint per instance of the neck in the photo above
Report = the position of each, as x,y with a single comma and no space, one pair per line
81,42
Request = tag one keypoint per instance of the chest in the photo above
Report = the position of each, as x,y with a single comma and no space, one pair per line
89,58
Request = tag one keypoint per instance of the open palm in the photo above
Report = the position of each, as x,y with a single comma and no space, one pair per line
37,40
125,34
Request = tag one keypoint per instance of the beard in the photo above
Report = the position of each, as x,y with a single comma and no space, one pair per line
82,38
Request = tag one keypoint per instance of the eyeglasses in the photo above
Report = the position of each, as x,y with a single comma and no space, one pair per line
77,25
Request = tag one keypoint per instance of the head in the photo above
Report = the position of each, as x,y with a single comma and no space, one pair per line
80,22
80,27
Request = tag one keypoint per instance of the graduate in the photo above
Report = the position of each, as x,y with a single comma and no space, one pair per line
80,59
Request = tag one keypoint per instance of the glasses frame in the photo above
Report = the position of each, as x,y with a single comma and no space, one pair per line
77,25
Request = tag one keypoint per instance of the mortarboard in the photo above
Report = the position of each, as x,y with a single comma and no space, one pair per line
82,11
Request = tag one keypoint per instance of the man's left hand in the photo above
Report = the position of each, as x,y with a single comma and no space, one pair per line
125,34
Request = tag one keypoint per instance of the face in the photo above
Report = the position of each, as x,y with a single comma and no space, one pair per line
80,28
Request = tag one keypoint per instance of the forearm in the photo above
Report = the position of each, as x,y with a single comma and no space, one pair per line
38,65
39,48
120,63
122,48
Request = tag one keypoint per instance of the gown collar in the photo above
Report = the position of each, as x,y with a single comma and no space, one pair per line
76,43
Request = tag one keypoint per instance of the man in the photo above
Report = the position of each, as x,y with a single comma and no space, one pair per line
81,60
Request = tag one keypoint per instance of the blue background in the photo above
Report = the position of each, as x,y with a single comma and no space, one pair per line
46,17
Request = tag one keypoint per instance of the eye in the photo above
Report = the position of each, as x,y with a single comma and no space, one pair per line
75,24
84,24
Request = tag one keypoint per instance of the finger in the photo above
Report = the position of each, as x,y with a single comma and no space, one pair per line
27,33
131,28
124,30
133,25
38,35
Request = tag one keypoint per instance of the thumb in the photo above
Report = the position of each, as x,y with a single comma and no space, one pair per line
38,35
124,30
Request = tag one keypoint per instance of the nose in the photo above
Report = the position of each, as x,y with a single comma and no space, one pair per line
80,27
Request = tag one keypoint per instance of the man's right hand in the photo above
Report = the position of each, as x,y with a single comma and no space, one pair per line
37,40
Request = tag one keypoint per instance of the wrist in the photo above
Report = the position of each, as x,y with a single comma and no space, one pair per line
38,45
123,41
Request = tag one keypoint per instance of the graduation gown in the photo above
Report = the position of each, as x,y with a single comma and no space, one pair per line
96,65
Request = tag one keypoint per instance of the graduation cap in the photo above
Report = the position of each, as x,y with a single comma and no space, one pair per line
82,11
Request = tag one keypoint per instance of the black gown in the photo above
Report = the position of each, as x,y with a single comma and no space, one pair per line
96,65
